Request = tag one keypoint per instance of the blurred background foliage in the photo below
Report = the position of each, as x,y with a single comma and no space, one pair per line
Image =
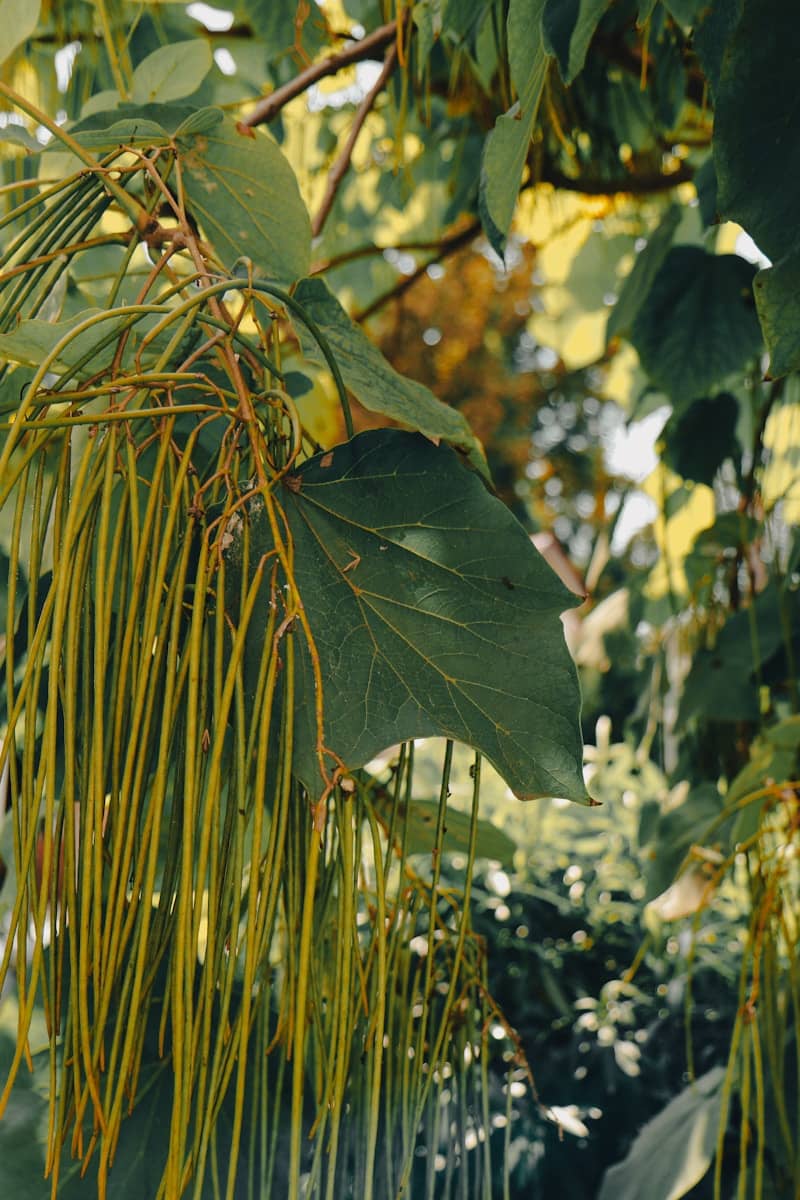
641,418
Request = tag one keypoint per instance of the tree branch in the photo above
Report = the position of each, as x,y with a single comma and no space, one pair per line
634,185
268,108
590,187
447,246
340,166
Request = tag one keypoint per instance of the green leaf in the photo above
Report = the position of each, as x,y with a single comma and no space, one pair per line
777,293
18,135
674,1150
127,124
756,132
32,341
416,823
756,151
699,439
243,192
676,831
171,72
698,323
638,283
18,20
705,181
432,615
721,683
506,148
372,380
569,26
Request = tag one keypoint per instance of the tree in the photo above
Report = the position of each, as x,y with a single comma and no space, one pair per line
216,620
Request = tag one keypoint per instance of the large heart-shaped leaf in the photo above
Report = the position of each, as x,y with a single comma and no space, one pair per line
431,611
698,323
244,194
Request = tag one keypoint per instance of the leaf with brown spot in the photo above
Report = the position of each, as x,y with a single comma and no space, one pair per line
256,209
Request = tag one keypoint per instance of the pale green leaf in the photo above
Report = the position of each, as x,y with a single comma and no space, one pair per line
18,20
171,72
372,380
101,102
506,148
242,191
431,612
674,1150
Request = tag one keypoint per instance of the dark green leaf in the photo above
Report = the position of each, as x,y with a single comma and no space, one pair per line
756,150
712,32
698,323
685,12
705,182
171,72
699,439
777,293
371,379
432,615
244,194
638,283
757,126
506,148
569,26
674,1150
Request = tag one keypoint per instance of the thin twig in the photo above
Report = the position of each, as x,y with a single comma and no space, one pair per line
340,167
268,108
447,246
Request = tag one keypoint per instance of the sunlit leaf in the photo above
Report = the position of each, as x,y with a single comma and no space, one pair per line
242,191
18,20
171,72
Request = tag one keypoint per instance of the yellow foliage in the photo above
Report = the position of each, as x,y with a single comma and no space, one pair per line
675,535
781,479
